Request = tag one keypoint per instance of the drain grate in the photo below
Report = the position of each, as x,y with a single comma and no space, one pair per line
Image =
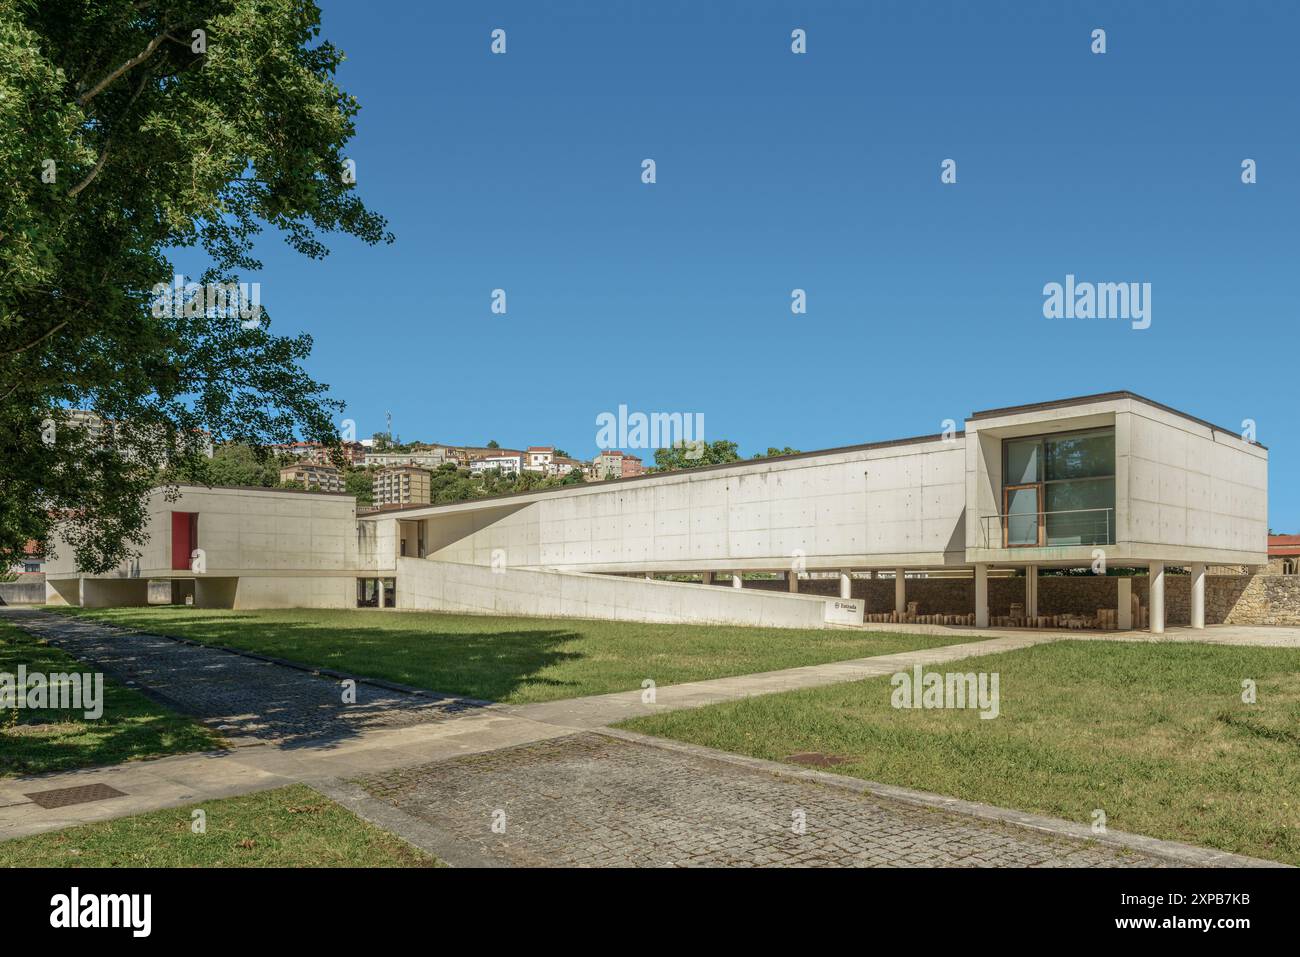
815,759
62,797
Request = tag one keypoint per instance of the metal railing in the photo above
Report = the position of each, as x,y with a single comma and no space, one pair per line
1080,526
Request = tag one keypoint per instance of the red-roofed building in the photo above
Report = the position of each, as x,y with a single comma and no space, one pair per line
1284,554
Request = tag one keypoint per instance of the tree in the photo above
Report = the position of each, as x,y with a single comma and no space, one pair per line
772,450
232,464
129,130
692,455
360,483
492,444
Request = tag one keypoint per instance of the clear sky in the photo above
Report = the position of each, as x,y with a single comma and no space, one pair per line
820,171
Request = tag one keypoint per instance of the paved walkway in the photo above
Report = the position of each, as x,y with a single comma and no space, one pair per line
589,800
430,767
246,699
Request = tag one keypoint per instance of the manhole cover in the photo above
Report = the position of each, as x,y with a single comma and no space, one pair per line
62,797
815,759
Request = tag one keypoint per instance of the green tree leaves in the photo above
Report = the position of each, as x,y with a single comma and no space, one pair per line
120,144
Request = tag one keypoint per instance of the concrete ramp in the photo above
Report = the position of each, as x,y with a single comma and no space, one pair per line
430,585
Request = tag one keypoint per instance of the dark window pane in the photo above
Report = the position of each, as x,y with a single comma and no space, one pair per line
1081,513
1080,456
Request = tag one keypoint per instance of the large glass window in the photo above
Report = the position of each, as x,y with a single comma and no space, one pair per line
1059,489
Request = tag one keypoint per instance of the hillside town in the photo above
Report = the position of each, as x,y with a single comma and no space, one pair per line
400,475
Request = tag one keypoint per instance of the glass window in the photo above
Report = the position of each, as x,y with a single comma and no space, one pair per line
1022,516
1080,513
1070,478
1023,456
1081,455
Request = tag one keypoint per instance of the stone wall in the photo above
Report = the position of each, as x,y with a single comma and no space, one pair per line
1229,599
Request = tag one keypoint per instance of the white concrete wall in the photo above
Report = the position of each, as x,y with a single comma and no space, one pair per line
849,508
1191,487
245,530
445,586
296,592
1184,491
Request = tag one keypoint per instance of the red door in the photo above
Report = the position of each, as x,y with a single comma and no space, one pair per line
185,538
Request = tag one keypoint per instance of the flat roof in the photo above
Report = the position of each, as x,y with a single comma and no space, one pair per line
1104,397
865,447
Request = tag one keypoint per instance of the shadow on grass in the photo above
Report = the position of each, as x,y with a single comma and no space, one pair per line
246,698
487,665
42,740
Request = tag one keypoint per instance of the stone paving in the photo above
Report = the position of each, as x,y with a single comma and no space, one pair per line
589,800
245,699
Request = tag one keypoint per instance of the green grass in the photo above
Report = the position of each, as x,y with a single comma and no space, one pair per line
288,827
132,726
512,659
1155,735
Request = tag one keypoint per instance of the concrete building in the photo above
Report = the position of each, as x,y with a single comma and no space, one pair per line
1112,479
612,463
323,478
402,485
315,453
562,465
509,461
538,458
426,458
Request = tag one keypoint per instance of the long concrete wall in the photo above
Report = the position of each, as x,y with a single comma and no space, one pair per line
447,586
854,507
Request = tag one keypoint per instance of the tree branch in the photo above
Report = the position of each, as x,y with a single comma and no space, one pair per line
35,342
108,139
128,65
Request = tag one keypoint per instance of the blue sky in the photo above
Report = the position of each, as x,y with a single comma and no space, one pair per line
819,171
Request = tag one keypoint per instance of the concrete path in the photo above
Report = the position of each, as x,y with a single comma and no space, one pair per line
404,762
246,699
599,710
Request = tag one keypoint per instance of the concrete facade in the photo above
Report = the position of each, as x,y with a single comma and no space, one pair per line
1186,493
259,548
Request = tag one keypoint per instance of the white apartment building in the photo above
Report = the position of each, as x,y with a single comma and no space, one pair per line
509,461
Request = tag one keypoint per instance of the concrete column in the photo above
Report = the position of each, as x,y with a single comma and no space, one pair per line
900,590
1156,571
1125,609
981,596
1198,595
1031,591
380,593
792,579
846,583
736,580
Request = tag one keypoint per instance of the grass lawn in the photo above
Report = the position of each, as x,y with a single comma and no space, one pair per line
1155,735
288,827
132,726
512,659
